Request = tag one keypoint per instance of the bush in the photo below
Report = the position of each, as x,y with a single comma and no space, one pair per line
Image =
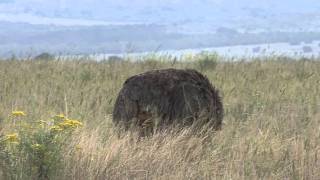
34,150
44,56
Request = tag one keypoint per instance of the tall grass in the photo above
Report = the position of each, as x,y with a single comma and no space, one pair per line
271,126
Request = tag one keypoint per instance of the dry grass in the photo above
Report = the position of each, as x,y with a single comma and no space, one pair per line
271,126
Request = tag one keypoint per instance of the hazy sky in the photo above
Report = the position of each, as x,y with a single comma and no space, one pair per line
153,10
16,5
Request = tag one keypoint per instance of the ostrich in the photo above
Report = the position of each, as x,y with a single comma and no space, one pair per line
167,97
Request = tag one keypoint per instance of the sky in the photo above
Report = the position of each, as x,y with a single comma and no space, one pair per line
145,10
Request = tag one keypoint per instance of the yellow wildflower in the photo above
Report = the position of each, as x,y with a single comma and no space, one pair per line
56,128
12,138
18,113
42,122
36,146
70,123
78,147
60,116
75,122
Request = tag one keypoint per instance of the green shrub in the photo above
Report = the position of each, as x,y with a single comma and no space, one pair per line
44,56
34,150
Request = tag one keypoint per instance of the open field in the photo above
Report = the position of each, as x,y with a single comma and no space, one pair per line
271,126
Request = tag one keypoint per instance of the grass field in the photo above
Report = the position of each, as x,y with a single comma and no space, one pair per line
271,126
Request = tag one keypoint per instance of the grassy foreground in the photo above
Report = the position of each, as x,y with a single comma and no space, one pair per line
271,127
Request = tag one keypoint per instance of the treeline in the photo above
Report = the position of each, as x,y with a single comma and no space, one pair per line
34,39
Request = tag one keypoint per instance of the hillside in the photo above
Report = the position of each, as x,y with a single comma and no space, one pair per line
22,39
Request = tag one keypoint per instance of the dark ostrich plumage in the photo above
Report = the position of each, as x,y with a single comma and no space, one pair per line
168,97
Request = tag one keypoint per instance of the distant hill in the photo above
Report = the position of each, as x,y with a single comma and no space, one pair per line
98,26
26,39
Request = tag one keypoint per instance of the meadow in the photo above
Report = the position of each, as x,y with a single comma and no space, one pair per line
55,122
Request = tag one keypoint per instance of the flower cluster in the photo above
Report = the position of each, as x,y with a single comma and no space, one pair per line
66,124
36,146
41,142
61,122
11,138
57,124
56,128
18,113
59,116
70,123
